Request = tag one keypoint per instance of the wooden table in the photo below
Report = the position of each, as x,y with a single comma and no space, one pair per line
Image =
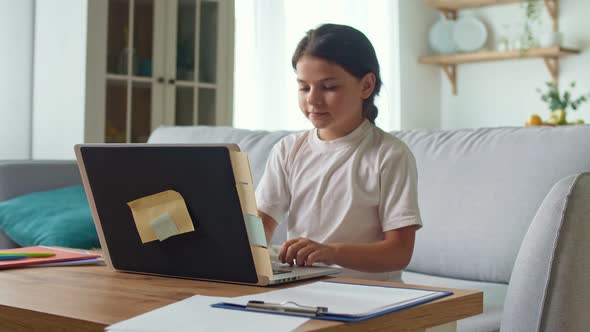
89,298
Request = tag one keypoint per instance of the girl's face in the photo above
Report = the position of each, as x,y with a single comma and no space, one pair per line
330,97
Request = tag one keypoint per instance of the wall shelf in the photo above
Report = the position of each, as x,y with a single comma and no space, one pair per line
449,62
482,56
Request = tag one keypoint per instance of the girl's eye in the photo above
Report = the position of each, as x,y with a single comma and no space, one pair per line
303,88
330,87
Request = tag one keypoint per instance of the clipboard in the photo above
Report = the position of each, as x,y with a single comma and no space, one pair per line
323,311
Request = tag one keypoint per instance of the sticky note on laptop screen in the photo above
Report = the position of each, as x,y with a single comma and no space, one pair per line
255,229
161,216
164,227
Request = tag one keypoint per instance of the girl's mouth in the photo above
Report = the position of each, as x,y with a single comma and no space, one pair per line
317,114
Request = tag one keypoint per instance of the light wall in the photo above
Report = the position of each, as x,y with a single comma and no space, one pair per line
503,93
419,93
60,71
16,35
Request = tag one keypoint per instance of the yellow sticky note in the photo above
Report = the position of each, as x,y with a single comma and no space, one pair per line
148,209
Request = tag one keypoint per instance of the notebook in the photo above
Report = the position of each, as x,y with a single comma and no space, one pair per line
60,256
183,211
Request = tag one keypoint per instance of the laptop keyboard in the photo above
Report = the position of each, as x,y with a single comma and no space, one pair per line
280,271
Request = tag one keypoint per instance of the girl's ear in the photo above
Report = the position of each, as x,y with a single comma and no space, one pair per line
368,85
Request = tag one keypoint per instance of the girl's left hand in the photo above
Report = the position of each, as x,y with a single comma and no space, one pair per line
306,252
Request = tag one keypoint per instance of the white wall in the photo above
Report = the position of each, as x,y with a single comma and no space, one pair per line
60,67
16,40
419,93
503,93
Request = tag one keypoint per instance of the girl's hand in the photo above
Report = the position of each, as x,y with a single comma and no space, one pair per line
306,252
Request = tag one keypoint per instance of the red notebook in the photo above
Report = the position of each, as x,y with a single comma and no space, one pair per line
60,256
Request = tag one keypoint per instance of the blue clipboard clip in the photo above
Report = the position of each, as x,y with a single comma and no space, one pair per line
283,308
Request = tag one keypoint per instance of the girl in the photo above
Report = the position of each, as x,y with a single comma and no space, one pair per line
348,187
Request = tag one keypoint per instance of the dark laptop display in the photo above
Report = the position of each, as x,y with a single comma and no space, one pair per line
216,250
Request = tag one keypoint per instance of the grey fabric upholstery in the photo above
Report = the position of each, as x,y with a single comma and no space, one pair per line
6,242
23,177
549,286
479,189
256,143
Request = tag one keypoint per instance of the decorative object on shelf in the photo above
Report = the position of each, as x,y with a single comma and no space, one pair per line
440,36
550,38
502,43
505,50
558,104
145,68
124,58
532,13
469,34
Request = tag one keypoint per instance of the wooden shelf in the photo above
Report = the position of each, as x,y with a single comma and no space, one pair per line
449,62
483,56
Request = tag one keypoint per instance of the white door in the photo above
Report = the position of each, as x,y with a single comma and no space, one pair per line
132,93
156,62
196,62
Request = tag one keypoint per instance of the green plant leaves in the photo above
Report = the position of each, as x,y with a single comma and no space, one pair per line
556,101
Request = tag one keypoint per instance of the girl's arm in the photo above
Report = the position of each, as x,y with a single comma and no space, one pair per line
391,254
269,225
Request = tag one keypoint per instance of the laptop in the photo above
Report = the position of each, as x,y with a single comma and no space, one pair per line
219,248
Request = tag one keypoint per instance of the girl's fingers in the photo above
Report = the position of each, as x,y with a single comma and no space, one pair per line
313,257
303,253
284,248
293,249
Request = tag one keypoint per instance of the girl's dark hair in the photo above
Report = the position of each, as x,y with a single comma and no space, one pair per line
347,47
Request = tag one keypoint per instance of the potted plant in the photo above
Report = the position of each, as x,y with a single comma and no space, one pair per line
559,104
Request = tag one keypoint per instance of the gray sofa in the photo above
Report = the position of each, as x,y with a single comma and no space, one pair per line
505,210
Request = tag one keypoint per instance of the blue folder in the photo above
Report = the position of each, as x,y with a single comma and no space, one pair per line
342,317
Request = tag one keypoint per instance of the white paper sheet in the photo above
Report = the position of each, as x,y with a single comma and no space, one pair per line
196,314
342,299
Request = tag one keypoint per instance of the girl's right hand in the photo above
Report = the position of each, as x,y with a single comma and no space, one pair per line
305,252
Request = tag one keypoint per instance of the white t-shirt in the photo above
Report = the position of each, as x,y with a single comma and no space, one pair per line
348,190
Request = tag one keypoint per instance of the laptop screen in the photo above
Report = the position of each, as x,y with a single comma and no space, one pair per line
217,249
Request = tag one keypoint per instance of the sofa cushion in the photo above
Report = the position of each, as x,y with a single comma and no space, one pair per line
257,143
547,291
59,217
493,299
478,191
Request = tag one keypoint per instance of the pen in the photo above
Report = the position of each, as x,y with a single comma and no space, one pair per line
280,307
12,257
28,254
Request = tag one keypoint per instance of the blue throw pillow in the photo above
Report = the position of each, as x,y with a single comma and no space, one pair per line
58,217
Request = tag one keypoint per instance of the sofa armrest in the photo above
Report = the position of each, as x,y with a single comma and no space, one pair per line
548,289
23,177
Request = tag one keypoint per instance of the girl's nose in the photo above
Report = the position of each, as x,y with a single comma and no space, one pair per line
314,98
